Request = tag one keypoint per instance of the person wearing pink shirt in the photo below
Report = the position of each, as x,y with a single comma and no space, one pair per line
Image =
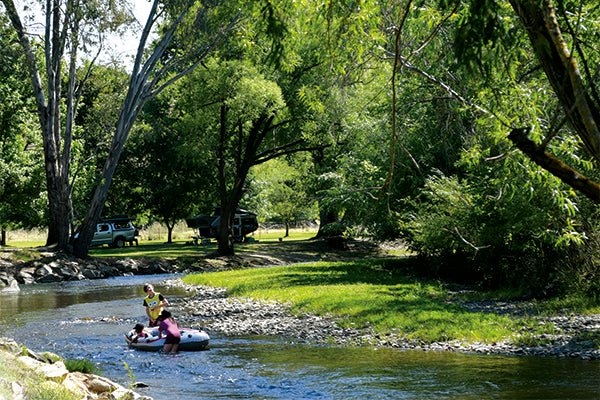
168,325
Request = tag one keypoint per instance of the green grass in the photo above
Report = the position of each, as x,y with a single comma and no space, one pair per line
24,254
182,248
366,293
24,244
154,249
273,235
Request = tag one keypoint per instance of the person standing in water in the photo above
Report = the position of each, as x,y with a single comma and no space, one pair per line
168,325
154,303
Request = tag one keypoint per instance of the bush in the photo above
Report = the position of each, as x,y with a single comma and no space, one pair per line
81,365
334,229
522,239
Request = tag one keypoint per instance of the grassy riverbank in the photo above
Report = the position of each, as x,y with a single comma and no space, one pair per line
17,378
368,285
380,294
25,374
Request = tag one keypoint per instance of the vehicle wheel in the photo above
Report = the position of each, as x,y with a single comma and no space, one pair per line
120,243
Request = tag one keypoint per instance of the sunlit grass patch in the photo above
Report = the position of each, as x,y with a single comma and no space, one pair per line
366,293
26,244
265,235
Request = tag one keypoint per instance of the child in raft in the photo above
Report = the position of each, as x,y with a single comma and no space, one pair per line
137,333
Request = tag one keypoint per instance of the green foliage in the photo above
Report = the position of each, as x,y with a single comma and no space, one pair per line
162,177
277,193
81,365
35,386
101,98
334,229
49,390
500,238
130,375
21,174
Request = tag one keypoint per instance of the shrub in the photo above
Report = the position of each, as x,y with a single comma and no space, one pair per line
81,365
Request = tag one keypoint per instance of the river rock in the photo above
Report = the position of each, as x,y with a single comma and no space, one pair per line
25,277
127,265
4,279
17,391
99,385
43,271
108,271
12,287
71,273
56,372
10,345
50,278
90,272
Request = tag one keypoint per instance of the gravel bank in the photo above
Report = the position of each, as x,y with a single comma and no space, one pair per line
211,308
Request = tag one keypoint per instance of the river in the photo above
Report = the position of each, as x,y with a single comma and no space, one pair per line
87,319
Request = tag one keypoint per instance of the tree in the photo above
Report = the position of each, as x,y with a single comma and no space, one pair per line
242,118
558,37
277,186
20,173
65,31
482,209
99,109
574,84
152,73
161,175
69,26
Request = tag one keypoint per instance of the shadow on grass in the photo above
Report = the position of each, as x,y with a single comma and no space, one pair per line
381,293
372,272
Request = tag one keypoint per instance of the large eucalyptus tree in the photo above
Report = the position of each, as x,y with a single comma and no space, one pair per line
171,57
69,26
21,176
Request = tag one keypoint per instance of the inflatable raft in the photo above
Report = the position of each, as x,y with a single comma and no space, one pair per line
191,340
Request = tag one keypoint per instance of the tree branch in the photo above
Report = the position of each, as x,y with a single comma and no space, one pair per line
554,165
285,150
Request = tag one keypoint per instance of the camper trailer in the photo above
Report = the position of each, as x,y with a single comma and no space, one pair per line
207,226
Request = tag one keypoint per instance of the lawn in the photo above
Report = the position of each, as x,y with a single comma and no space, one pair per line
375,293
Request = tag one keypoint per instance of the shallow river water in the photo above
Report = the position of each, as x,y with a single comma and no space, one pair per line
88,319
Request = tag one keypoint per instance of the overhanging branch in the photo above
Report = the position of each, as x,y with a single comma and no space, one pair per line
553,165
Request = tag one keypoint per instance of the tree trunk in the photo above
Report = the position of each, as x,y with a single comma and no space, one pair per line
562,70
3,236
82,243
224,239
49,116
325,217
287,229
59,212
170,232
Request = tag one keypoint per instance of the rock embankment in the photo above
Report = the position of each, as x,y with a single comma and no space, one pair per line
50,267
50,370
57,267
211,308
